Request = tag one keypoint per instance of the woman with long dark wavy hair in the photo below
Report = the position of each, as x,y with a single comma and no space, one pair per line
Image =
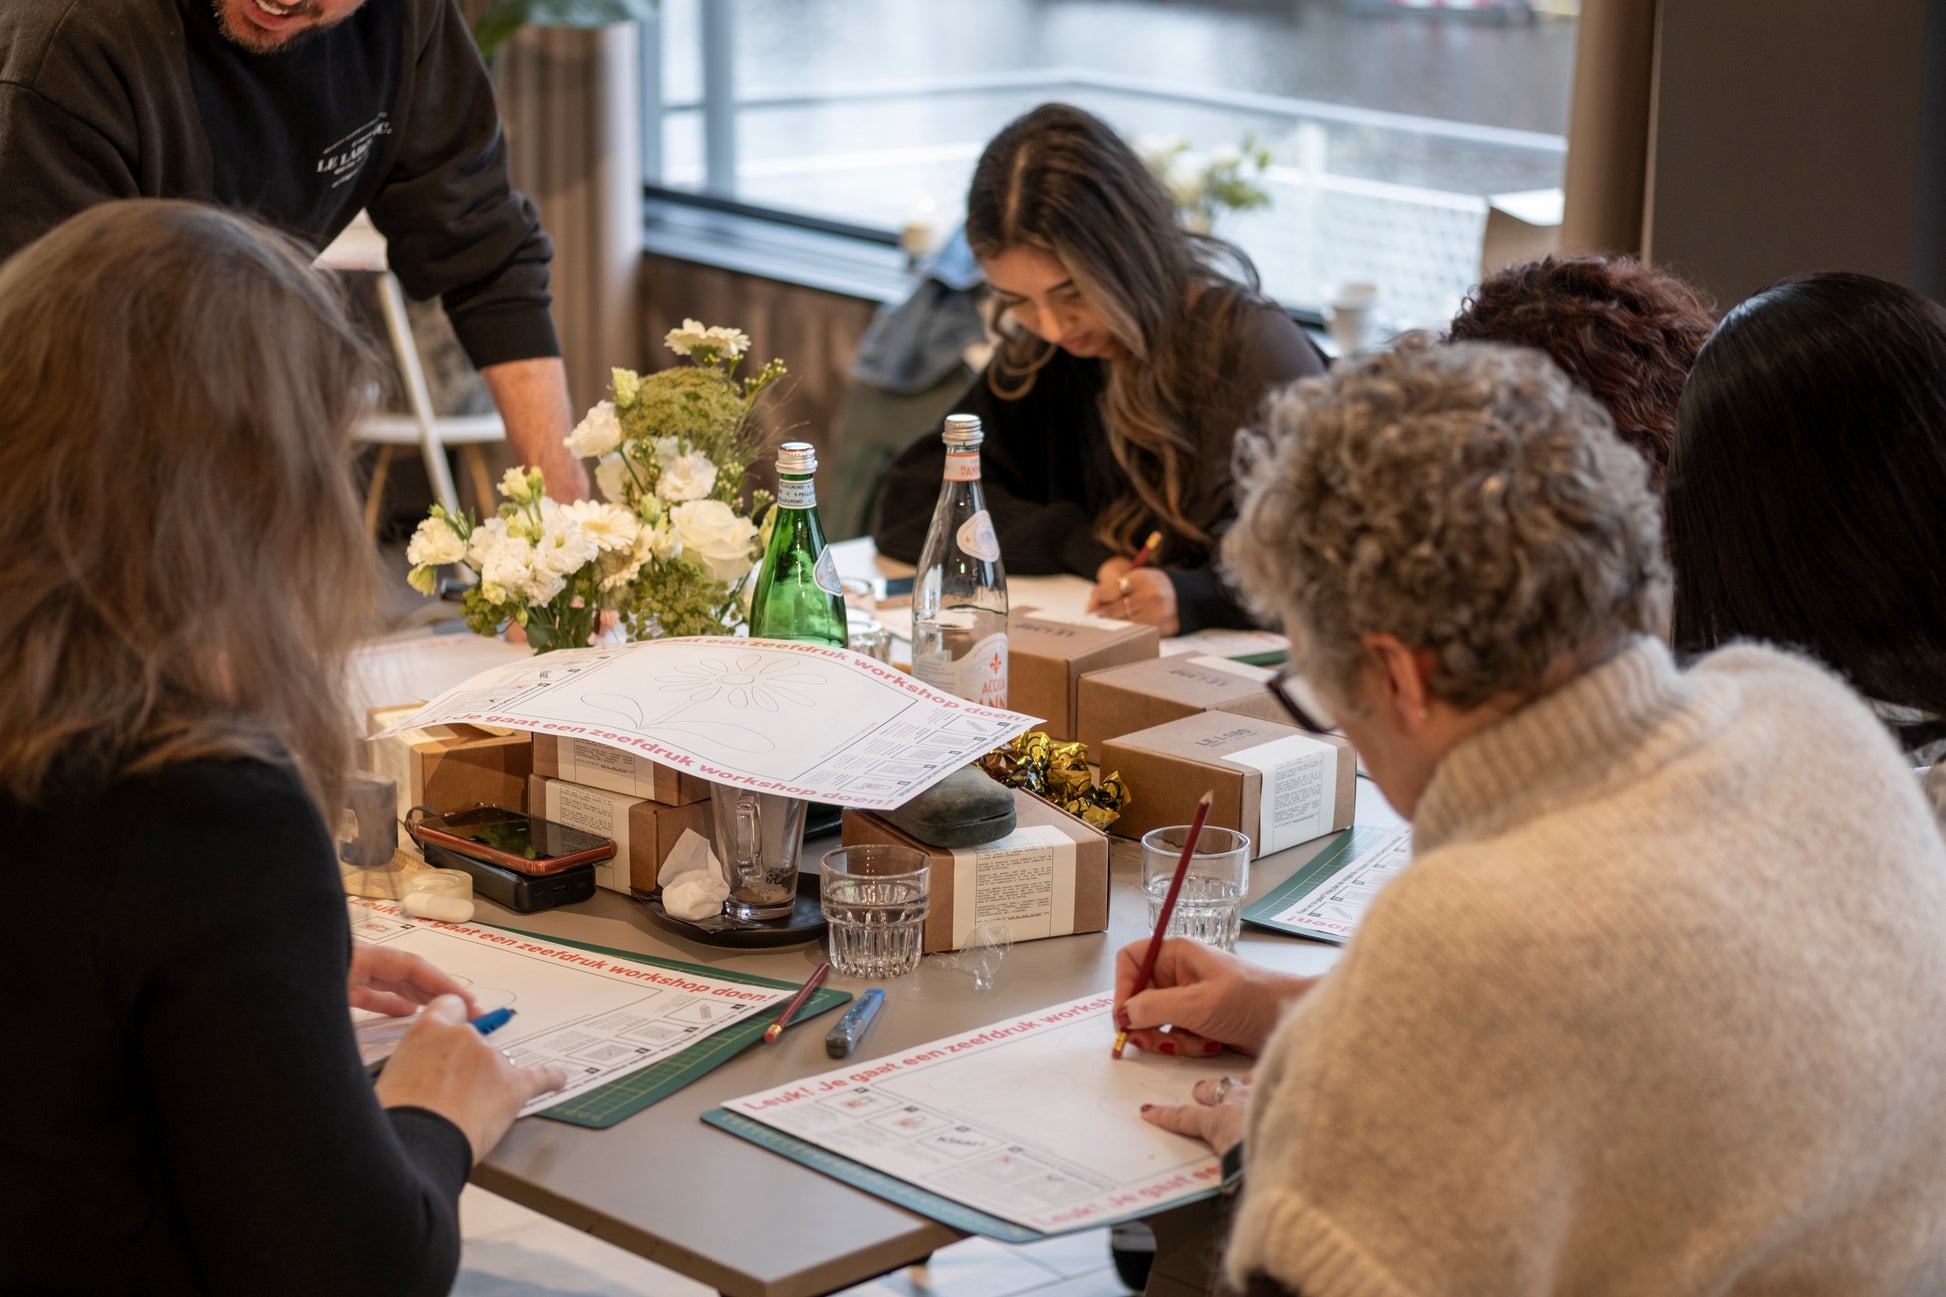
1131,351
185,565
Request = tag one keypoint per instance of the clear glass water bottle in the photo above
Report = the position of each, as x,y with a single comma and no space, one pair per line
959,598
798,596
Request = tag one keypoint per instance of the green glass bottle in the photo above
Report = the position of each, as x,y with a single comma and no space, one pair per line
798,596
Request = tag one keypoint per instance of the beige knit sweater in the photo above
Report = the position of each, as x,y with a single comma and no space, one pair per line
1659,1008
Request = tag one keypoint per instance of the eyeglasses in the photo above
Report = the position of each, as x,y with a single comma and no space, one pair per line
1294,693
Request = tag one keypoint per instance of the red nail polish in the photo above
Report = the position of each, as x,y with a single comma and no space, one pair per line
1121,1020
1147,1106
1168,1046
1211,1047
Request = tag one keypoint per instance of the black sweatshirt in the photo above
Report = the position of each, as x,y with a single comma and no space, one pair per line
185,1108
1047,471
391,110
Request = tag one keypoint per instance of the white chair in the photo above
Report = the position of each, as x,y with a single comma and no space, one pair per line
361,248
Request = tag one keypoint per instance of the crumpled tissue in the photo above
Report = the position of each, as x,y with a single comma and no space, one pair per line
692,882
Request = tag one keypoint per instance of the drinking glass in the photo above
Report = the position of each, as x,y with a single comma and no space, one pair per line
756,837
876,896
863,632
1210,905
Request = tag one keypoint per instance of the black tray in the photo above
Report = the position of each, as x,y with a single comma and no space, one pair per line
805,923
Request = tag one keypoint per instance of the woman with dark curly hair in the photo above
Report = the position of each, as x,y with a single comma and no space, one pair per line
1626,332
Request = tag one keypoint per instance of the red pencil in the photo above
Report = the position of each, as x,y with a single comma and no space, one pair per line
1147,551
1168,909
776,1029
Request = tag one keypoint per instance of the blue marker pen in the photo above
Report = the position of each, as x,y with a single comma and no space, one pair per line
852,1027
488,1023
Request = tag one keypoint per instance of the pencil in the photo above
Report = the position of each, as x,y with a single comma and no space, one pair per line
1147,551
1168,909
776,1029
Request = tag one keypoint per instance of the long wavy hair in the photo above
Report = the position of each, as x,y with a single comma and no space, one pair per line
1061,180
180,539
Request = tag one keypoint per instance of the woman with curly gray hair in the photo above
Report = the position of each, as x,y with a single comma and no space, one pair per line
1615,1029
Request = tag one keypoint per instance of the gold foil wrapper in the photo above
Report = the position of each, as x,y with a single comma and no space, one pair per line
1058,773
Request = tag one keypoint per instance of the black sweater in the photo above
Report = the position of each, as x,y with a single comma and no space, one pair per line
185,1109
391,110
1047,471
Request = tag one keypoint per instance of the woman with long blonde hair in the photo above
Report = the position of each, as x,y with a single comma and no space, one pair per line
184,567
1131,351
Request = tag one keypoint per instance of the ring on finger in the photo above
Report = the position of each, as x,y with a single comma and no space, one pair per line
1224,1085
1121,583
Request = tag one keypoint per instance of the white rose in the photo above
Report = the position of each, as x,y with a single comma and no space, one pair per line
667,450
434,544
609,526
687,478
611,478
718,540
542,586
690,336
506,561
598,433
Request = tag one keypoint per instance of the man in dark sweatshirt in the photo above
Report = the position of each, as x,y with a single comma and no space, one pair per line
299,114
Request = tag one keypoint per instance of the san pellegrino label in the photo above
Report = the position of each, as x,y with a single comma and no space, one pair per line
797,596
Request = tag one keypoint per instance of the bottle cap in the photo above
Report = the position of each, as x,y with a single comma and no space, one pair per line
798,458
963,430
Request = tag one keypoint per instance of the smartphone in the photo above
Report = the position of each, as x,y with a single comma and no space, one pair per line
510,839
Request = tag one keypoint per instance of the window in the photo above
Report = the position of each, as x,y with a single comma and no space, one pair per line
1389,122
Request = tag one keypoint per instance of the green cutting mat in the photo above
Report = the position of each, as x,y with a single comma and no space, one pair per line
627,1095
1351,843
903,1193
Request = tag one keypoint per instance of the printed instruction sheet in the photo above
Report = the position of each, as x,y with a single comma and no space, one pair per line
1327,898
592,1015
771,715
1029,1120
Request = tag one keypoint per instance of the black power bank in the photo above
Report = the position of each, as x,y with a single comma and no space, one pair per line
521,893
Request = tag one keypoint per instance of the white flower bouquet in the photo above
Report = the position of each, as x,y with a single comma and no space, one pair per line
670,548
550,568
672,448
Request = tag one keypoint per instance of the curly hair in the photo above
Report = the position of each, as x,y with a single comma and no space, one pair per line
1468,499
1626,332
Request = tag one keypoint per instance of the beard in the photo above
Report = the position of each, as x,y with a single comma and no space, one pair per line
258,41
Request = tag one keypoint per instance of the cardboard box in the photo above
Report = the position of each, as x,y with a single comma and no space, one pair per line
596,765
1048,878
644,831
1047,656
1122,700
1276,783
447,767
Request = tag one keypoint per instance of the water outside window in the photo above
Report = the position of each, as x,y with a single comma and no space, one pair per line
1388,128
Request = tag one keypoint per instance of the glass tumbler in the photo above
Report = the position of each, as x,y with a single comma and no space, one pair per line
1210,906
876,896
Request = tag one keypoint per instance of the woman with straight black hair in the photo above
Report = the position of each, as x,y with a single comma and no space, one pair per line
1131,350
1806,487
